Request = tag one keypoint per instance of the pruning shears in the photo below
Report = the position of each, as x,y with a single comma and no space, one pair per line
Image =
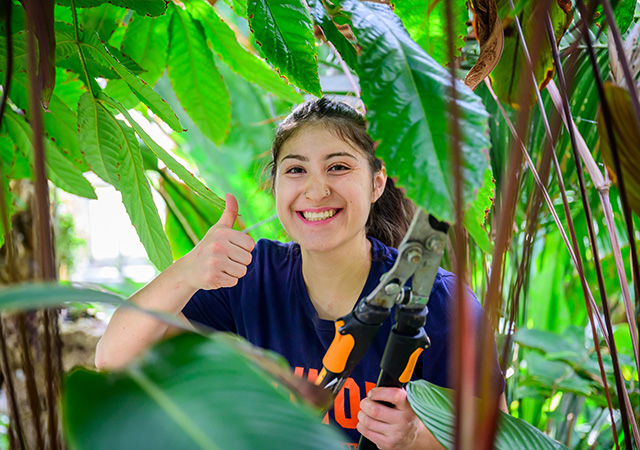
419,256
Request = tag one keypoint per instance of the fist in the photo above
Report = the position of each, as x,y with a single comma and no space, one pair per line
221,258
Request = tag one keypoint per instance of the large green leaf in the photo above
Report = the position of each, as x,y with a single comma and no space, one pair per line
507,77
408,94
434,406
112,151
189,392
143,91
195,78
284,31
142,7
426,23
225,45
67,56
15,162
332,33
622,9
103,19
24,297
147,41
167,159
60,170
19,42
60,122
189,217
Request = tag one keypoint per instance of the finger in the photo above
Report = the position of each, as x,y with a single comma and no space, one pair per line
230,213
374,423
234,269
380,412
397,396
223,279
239,255
373,435
244,241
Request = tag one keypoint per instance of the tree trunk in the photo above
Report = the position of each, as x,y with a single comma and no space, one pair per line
29,342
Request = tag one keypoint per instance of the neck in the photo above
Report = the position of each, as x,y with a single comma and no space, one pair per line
334,279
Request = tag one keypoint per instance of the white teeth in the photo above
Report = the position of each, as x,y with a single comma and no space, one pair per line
316,216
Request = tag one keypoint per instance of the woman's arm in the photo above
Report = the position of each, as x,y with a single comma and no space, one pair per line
219,260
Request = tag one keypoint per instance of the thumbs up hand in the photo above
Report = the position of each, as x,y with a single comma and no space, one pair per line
221,258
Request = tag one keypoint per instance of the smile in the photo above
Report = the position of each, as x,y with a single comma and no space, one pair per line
313,216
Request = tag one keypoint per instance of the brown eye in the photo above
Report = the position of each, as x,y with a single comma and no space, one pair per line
295,170
338,168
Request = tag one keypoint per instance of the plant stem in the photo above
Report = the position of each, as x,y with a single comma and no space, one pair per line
602,185
76,30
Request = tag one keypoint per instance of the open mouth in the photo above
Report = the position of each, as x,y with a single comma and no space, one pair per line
312,216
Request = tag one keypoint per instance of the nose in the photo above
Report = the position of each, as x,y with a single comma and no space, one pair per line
316,190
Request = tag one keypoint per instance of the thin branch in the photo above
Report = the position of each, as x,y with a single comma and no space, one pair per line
594,244
602,185
464,336
552,210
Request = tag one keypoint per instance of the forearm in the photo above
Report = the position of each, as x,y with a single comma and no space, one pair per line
130,332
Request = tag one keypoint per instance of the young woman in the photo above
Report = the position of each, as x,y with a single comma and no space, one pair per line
344,216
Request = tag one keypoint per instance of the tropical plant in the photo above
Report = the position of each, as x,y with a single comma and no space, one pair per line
572,366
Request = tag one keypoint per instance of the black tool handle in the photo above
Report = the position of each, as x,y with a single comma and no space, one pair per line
406,341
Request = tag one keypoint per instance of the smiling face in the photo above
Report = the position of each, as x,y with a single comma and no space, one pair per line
324,189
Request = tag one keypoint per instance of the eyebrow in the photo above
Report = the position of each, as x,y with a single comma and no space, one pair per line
329,156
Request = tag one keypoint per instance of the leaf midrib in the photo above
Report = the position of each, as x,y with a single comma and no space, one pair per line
416,92
139,182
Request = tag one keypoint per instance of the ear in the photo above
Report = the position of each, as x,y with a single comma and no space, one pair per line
379,183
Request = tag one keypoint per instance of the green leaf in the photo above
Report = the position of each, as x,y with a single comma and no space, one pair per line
28,296
284,31
189,392
103,19
111,149
7,150
195,78
345,48
426,23
60,170
15,162
142,7
507,77
434,406
546,341
20,61
475,216
189,217
225,45
146,41
623,11
408,94
143,91
60,123
167,159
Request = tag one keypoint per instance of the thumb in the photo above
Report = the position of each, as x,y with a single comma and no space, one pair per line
228,217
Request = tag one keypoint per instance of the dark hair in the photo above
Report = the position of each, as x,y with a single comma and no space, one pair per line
391,214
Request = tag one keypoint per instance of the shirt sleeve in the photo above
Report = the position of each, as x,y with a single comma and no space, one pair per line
211,308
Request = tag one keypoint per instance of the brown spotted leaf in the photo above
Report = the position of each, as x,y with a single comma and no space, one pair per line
627,138
488,29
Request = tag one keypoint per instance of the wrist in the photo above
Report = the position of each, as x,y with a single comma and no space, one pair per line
179,278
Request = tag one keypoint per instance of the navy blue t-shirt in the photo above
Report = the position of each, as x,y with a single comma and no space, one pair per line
270,307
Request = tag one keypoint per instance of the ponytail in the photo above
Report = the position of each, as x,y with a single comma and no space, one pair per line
390,216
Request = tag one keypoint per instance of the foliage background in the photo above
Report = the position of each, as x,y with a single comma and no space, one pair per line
217,97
